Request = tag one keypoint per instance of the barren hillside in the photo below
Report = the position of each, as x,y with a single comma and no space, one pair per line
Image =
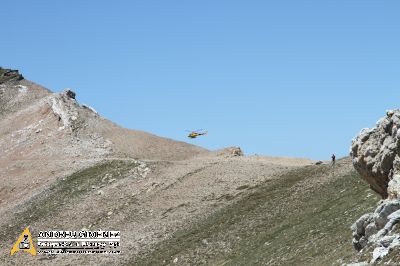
46,135
64,167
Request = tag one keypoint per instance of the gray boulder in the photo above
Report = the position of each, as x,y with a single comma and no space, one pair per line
375,154
376,229
383,211
71,94
9,75
360,240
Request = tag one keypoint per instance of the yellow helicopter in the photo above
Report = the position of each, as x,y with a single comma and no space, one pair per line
195,133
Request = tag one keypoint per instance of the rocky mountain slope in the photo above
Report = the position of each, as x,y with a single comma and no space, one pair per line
64,167
55,132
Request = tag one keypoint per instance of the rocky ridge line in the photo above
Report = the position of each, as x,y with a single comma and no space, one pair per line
9,75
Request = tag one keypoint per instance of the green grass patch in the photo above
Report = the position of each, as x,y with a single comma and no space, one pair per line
277,223
63,192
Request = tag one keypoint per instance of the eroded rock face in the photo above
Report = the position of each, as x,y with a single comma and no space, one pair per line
236,151
9,74
376,229
230,152
375,154
71,94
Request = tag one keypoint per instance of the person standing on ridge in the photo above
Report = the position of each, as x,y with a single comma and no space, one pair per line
333,159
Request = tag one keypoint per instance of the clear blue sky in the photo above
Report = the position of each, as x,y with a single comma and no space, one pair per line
284,78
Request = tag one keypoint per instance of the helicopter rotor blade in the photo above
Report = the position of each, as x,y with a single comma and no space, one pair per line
195,131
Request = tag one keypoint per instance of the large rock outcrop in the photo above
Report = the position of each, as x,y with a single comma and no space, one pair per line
376,156
377,231
9,75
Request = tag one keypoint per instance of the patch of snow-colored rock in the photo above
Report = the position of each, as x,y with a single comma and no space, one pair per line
376,156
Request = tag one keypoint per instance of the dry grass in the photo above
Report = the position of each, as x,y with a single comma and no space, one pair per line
276,223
